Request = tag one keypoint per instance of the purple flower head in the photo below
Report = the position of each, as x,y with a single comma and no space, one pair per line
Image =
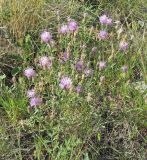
65,56
31,93
72,25
124,68
78,89
29,73
109,21
64,29
103,35
65,83
79,65
102,65
46,36
103,19
45,62
88,72
35,101
123,46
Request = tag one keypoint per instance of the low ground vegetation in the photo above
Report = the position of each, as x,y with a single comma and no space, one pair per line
73,80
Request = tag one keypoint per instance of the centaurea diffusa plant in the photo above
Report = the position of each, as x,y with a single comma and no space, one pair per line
45,62
65,83
79,65
64,29
46,36
123,45
102,65
102,35
105,20
78,89
29,73
82,85
35,101
31,93
72,25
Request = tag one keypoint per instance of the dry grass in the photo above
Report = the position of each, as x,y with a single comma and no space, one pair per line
21,17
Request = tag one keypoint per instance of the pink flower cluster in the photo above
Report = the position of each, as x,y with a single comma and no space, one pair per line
79,65
30,73
46,36
71,26
64,57
123,46
45,62
65,82
34,99
102,65
105,20
103,34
